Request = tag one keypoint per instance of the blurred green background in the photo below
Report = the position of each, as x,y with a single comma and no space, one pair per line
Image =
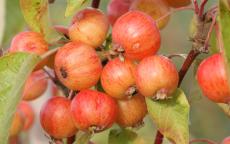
206,119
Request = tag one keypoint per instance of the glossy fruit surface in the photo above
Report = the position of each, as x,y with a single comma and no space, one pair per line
77,66
154,8
89,26
91,108
131,111
55,118
117,77
116,8
226,140
156,76
35,85
17,124
28,114
178,3
31,42
212,79
137,34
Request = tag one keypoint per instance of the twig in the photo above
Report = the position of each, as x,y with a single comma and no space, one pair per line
202,140
201,11
196,7
95,3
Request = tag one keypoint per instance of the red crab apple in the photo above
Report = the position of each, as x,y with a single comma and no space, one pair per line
93,109
77,66
17,124
118,77
31,42
212,79
35,85
55,118
154,8
178,3
137,34
226,140
156,77
116,8
28,114
89,26
131,111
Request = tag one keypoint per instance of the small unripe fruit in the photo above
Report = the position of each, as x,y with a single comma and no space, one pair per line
55,118
91,108
77,66
178,3
89,26
28,114
212,79
131,111
35,85
117,77
157,77
116,8
137,34
226,140
31,42
17,124
154,8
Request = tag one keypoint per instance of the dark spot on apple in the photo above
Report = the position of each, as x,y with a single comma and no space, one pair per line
63,72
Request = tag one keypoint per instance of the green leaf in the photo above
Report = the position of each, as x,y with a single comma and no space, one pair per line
83,138
122,136
224,20
225,108
171,117
73,5
36,14
14,21
14,69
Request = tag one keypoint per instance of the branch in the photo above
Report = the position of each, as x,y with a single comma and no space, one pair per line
95,3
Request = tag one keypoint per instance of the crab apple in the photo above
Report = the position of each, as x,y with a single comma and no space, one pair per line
117,77
156,77
35,85
226,140
131,111
137,34
31,42
55,118
77,66
17,124
212,79
178,3
28,114
116,8
89,26
154,8
93,109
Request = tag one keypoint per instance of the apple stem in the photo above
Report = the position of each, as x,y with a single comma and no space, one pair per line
196,6
201,11
202,140
95,3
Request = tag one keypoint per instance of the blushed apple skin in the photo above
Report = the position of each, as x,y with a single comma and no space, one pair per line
226,140
31,42
154,8
35,85
212,79
117,76
17,124
137,34
178,3
156,74
93,108
77,66
89,26
131,111
117,8
28,114
55,118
